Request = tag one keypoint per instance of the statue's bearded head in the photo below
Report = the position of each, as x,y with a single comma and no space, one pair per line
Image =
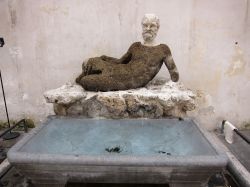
150,26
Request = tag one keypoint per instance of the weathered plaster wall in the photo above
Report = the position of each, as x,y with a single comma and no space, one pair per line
46,42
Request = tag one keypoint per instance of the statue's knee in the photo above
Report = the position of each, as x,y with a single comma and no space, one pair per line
84,64
94,60
90,62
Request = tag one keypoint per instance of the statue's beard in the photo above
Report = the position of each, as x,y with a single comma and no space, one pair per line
148,36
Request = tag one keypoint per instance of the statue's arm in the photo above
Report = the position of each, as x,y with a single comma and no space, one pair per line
125,59
109,59
169,62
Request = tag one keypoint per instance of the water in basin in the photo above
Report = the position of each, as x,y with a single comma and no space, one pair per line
77,136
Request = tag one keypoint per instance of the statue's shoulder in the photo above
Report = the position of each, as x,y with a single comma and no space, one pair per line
134,45
165,48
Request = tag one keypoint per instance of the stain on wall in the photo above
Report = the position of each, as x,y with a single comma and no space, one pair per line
15,52
12,12
237,63
54,8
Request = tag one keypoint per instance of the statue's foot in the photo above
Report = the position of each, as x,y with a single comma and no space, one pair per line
78,79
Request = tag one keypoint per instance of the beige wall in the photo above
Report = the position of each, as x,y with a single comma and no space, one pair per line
47,40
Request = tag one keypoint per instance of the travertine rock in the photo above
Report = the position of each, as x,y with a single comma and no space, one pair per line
65,95
154,101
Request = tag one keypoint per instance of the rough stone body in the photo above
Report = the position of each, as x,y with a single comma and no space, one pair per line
154,101
65,95
134,70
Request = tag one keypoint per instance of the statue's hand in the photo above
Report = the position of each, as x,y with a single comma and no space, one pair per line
174,76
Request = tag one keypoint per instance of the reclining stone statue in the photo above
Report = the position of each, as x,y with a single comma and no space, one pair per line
134,69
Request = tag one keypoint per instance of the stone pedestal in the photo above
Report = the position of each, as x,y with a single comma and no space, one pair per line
156,100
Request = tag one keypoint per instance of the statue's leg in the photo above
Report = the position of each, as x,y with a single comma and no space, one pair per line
101,83
93,66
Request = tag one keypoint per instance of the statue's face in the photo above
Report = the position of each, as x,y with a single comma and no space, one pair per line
149,29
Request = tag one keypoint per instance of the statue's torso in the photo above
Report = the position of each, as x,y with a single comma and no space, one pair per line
145,62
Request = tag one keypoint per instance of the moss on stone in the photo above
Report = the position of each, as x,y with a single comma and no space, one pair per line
247,126
29,122
4,124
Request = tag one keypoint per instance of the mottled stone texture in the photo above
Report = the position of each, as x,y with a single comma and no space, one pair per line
154,101
133,70
65,95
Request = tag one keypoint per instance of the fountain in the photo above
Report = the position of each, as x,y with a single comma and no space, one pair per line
155,151
136,133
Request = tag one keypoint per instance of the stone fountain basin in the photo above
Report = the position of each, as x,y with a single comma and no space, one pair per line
65,149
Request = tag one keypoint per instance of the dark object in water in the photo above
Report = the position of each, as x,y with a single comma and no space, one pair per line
115,149
164,152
